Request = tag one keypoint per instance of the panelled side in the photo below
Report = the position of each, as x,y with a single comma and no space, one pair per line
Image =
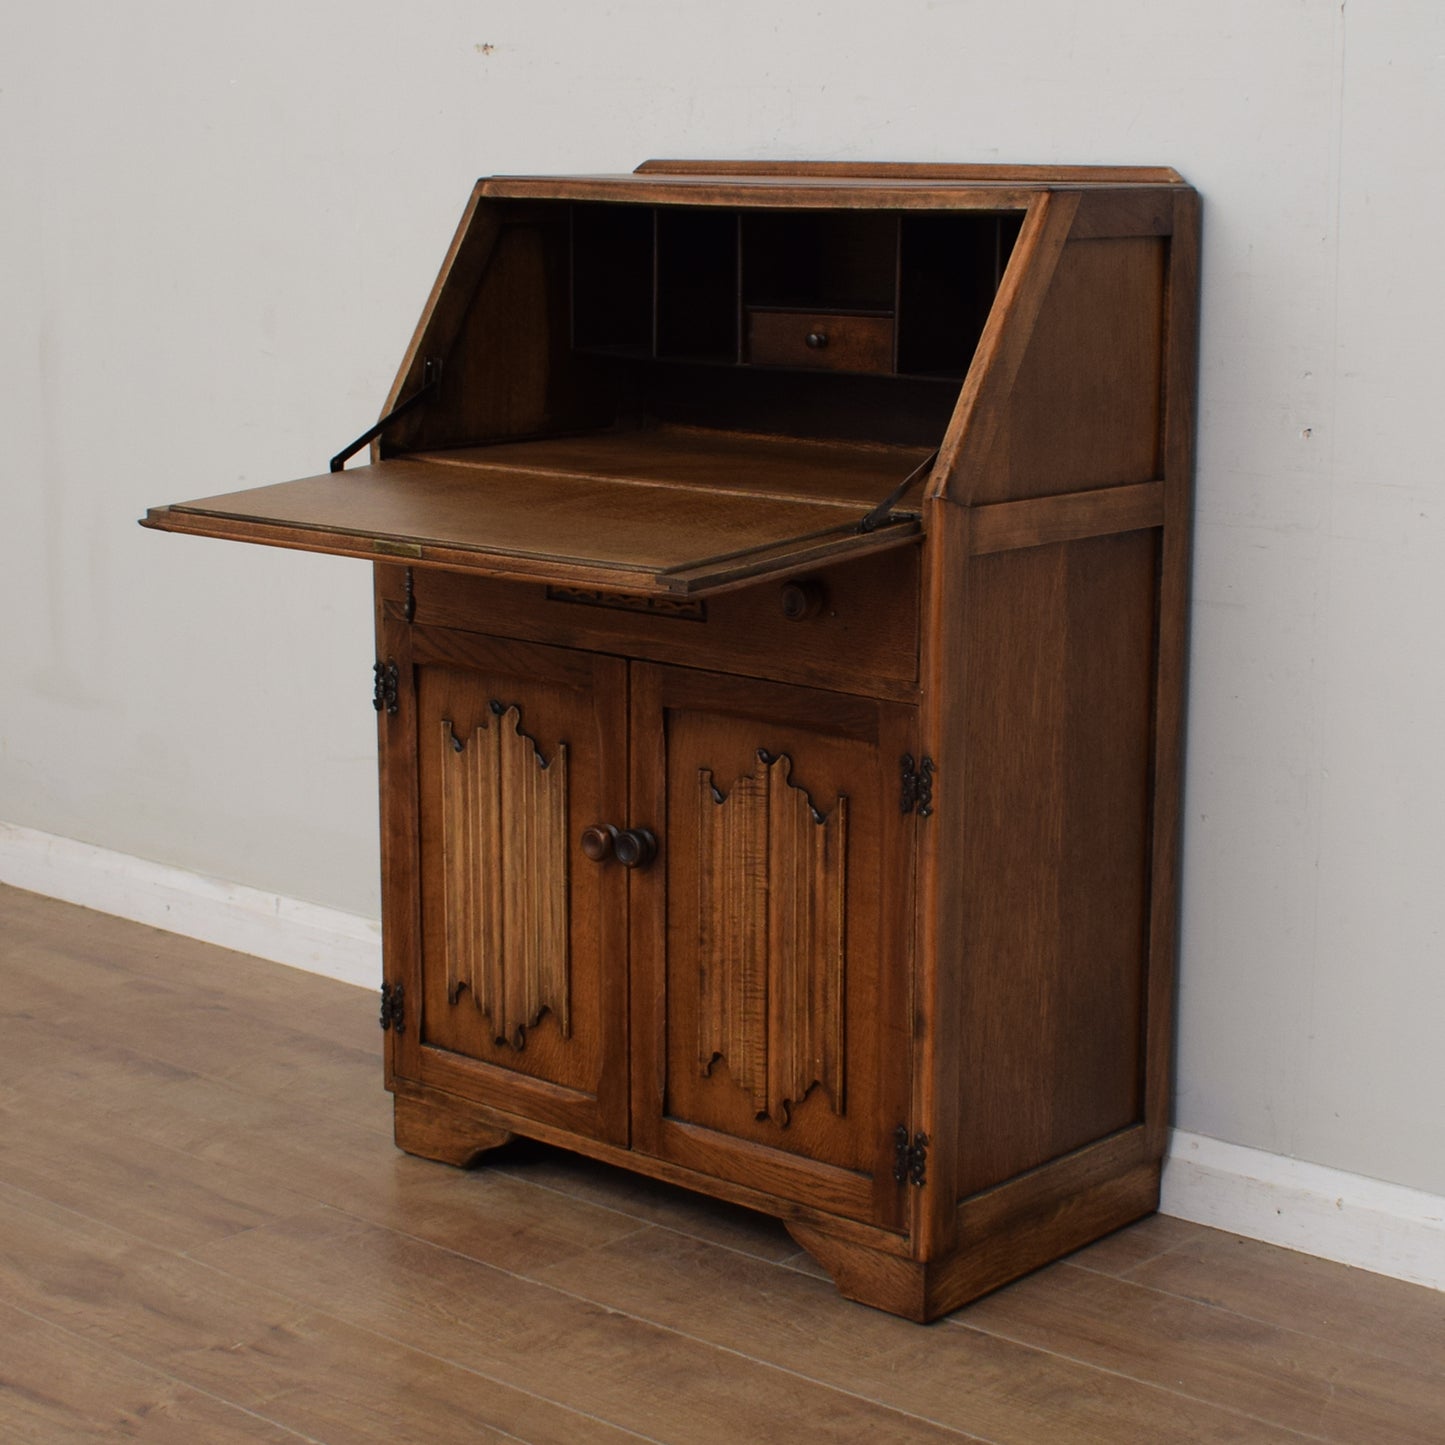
499,323
1066,391
1056,784
1084,411
1058,619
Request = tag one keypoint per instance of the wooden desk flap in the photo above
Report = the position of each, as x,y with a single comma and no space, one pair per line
657,512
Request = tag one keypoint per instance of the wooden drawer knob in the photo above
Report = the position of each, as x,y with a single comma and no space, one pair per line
802,599
817,340
599,841
634,847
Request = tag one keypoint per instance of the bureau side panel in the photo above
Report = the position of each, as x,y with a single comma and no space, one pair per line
1052,957
1072,400
499,325
1181,351
1085,409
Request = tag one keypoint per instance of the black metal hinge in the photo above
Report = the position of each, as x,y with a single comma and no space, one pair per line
387,689
917,794
393,1007
910,1161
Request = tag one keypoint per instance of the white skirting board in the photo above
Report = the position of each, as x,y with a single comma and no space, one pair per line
1355,1220
1376,1226
303,935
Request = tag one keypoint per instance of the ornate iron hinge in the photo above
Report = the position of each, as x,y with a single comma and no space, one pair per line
387,689
910,1161
393,1007
917,795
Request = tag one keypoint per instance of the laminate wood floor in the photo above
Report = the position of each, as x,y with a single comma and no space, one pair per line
207,1236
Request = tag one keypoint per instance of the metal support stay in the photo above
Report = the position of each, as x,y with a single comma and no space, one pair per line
431,373
881,514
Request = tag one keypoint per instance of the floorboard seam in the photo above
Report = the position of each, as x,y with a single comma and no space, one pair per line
670,1330
164,1373
1361,1350
300,1303
447,1360
1136,1380
1219,1309
282,1095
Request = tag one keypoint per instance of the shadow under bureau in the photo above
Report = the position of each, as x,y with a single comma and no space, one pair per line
781,585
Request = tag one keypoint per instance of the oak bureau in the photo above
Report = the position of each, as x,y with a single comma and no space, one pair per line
781,586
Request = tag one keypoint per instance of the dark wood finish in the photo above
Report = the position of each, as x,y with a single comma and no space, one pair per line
702,463
425,1129
1093,417
766,808
765,193
449,301
400,820
1002,526
1105,214
822,340
924,1289
970,455
1181,350
1052,955
471,1130
522,969
1110,176
863,639
514,511
772,996
944,889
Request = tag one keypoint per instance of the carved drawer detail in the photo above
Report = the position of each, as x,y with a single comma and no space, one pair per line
504,867
772,889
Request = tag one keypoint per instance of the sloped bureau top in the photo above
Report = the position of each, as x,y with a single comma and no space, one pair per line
704,374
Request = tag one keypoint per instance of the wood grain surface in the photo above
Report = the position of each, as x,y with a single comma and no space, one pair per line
192,1250
650,394
644,510
206,1235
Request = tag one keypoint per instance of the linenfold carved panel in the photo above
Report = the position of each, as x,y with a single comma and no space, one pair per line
771,895
504,869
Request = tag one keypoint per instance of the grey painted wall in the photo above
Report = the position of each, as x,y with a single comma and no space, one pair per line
218,225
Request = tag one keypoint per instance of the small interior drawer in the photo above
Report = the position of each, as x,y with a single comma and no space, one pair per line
820,339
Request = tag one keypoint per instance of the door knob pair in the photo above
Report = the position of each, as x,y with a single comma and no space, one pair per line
631,847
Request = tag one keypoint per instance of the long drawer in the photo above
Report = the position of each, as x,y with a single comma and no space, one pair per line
851,627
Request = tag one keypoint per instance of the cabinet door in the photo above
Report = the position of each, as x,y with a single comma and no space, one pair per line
521,948
772,937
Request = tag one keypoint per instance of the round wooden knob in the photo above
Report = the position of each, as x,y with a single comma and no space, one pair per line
802,599
635,847
817,339
599,841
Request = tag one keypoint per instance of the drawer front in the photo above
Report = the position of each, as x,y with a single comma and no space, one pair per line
820,340
851,628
